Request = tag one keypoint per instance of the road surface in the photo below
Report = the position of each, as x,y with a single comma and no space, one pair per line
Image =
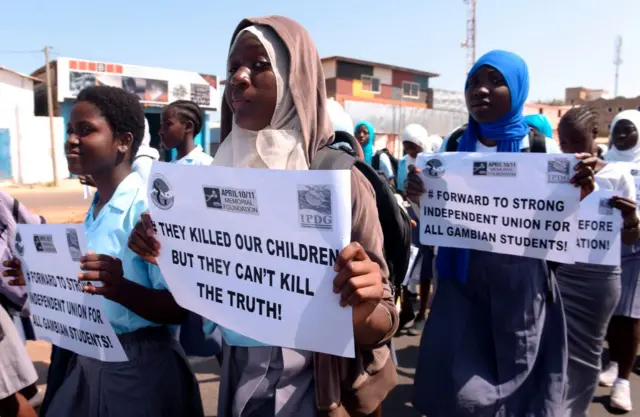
397,405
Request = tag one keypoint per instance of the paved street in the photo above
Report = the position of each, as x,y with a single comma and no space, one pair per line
67,204
397,405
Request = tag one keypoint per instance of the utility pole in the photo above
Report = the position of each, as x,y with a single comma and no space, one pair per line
470,42
617,61
56,182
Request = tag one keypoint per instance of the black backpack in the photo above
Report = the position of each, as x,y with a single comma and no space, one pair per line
375,161
395,222
537,141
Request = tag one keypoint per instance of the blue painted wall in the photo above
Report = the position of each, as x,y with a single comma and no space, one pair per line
5,155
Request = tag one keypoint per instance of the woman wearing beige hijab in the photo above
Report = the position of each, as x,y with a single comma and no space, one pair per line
274,117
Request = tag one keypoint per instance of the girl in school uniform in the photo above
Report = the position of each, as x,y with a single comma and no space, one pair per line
274,117
495,340
105,130
181,121
623,334
590,292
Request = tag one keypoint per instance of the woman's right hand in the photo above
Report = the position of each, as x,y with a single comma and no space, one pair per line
414,187
14,270
142,240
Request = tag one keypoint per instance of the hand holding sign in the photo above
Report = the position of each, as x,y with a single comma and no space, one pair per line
142,240
104,268
14,269
359,281
414,186
585,173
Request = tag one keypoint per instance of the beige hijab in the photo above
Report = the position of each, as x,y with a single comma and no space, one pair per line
300,124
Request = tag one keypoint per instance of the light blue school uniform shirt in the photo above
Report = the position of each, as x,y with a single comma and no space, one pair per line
108,234
196,157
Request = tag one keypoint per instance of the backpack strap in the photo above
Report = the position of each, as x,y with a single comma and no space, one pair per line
537,142
16,210
332,157
452,140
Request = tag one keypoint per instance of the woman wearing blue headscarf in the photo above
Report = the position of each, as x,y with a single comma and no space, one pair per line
495,340
541,123
365,135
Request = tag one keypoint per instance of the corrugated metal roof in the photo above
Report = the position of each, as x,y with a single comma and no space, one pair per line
20,74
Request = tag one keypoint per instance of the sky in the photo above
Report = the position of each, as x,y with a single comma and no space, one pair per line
566,43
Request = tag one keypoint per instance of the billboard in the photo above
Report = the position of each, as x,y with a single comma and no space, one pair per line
153,86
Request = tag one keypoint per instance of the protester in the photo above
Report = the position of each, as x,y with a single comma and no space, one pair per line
435,142
415,140
273,61
343,128
591,292
541,123
17,373
381,161
105,130
623,334
495,340
180,124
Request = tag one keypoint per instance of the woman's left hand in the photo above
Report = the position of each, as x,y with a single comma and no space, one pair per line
359,281
104,268
586,170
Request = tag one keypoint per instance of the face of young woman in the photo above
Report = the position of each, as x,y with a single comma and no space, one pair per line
411,149
624,135
487,95
362,135
91,147
576,140
252,90
172,130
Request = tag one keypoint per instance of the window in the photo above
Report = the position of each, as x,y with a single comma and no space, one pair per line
370,84
540,110
619,109
559,113
610,109
410,90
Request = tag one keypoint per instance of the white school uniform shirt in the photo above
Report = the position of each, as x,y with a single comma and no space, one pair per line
551,145
196,157
385,166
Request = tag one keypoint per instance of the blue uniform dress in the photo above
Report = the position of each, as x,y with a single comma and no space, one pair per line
496,345
157,380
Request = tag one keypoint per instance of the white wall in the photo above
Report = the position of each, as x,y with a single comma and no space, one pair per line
30,139
329,69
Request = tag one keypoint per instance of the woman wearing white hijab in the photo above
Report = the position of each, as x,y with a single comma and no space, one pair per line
623,334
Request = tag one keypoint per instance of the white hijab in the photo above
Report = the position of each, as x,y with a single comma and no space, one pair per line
630,155
281,144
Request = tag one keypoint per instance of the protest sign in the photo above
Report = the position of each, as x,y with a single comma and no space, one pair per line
634,170
254,250
599,227
513,203
60,311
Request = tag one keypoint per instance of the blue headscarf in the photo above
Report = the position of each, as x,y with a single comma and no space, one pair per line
541,123
508,131
367,148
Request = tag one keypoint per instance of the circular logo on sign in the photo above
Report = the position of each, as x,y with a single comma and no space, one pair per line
434,168
161,194
19,245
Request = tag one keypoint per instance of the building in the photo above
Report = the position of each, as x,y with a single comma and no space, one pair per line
155,87
607,108
388,96
577,95
25,140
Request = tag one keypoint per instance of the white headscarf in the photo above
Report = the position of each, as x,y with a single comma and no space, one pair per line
435,142
281,144
630,155
145,148
340,119
417,135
